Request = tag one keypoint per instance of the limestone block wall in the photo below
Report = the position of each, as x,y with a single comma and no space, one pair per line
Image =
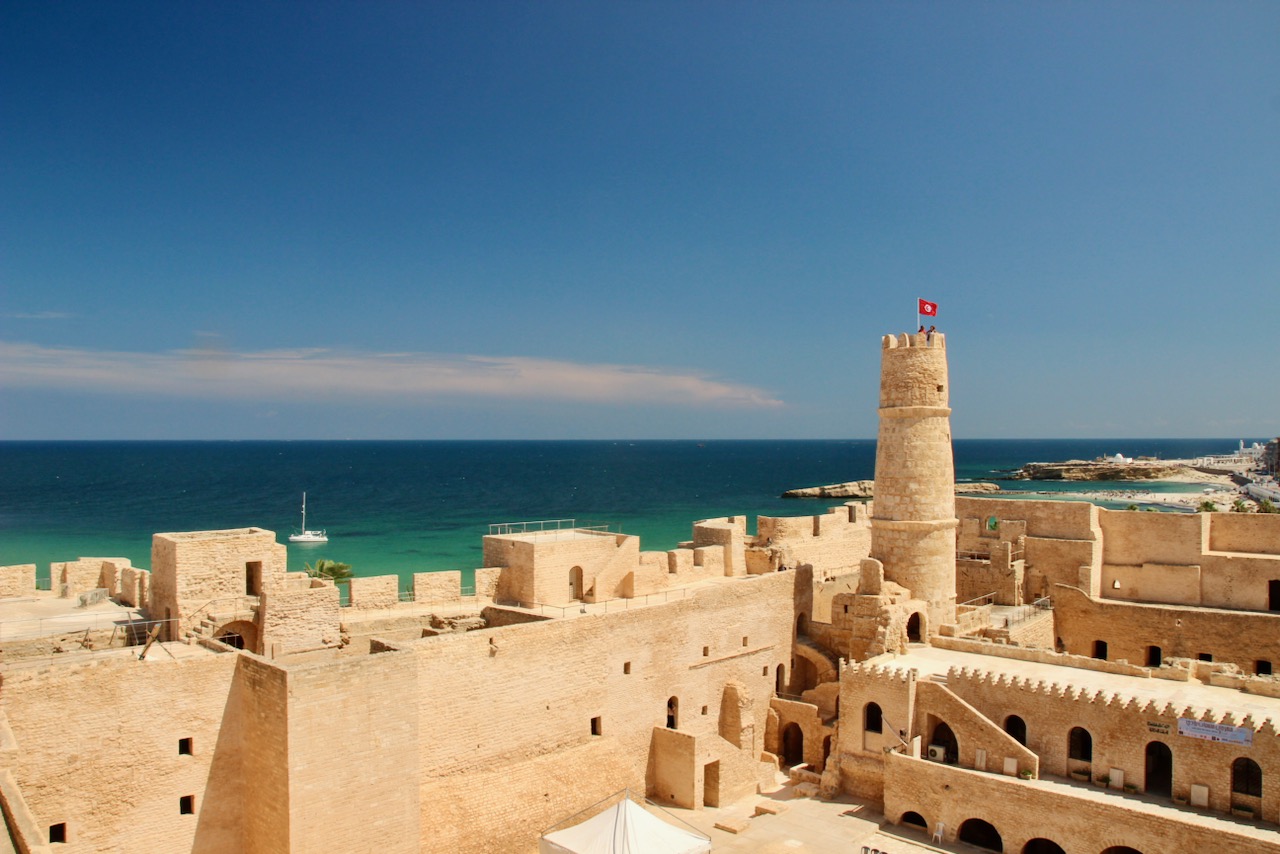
518,705
437,586
1152,582
1120,727
1233,580
976,578
1137,538
833,543
190,569
486,581
300,620
94,753
1061,537
352,755
541,568
376,591
981,742
1239,637
257,741
1022,811
860,753
729,532
17,580
134,587
1244,532
71,578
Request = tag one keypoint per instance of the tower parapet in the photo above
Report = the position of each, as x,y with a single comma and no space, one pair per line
913,526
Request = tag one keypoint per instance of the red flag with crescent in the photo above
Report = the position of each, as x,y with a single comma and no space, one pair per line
929,308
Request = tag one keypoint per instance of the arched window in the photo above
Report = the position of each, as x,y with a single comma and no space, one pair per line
1100,649
1017,728
1155,656
1080,745
913,817
872,719
673,712
1246,777
913,628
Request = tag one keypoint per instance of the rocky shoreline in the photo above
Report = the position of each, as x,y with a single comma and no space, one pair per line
1099,470
865,489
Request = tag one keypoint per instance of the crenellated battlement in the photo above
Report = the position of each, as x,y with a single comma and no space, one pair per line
918,340
878,673
1153,709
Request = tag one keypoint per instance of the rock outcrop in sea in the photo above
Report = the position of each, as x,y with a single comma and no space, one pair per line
1097,470
866,489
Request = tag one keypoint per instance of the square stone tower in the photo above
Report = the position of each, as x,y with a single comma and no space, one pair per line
913,523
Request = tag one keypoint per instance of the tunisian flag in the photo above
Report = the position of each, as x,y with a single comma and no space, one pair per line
929,308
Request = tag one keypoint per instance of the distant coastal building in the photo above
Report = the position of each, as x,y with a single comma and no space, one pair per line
1024,676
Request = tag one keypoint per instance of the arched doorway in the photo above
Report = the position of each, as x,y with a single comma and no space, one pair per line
673,713
981,833
241,634
802,625
1159,777
792,745
914,818
1080,745
1121,849
1017,729
1246,777
575,582
826,751
945,739
1042,846
913,628
780,683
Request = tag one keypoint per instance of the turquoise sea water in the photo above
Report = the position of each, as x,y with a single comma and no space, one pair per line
405,507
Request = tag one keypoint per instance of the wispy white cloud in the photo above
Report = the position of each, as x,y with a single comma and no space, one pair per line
321,374
36,315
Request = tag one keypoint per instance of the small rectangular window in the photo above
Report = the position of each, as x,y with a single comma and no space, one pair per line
704,710
764,671
187,805
1262,667
184,747
58,832
744,640
626,668
595,726
706,650
1204,656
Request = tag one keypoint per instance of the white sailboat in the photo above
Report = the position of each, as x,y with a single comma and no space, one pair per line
305,536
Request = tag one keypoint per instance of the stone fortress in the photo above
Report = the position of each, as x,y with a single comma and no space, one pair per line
1025,676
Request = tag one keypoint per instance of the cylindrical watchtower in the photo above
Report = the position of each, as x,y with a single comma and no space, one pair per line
913,525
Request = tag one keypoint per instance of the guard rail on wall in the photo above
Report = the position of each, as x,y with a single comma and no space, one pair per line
125,634
984,599
1026,612
547,526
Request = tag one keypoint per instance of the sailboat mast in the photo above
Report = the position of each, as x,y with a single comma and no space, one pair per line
304,511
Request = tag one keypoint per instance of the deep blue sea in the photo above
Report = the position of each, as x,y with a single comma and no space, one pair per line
405,507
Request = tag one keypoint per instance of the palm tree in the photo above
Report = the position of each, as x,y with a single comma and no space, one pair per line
329,569
1238,506
1267,507
1207,507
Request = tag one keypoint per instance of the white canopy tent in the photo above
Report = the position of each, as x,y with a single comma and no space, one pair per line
625,828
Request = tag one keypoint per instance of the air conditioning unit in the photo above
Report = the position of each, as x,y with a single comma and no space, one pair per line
938,752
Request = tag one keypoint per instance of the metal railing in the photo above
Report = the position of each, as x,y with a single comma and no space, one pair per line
984,599
125,634
547,526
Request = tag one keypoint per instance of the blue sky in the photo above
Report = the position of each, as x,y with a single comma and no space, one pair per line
634,219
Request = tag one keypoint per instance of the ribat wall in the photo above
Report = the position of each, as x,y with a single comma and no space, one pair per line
99,749
1120,728
506,715
1020,812
17,580
1128,628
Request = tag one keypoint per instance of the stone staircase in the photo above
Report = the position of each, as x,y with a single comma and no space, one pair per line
207,628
